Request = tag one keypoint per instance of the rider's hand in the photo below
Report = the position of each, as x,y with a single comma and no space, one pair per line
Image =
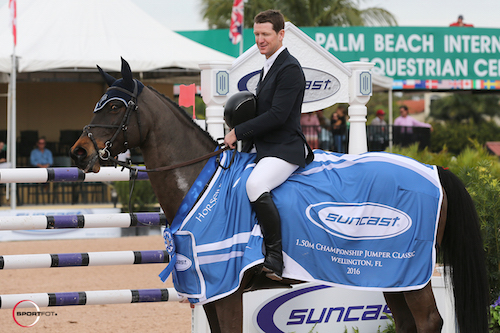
230,139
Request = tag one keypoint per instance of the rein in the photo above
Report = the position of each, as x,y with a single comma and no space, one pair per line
169,167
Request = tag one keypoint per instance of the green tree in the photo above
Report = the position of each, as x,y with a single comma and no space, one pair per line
300,12
470,108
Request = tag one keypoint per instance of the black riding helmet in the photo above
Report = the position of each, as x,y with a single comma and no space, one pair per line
239,108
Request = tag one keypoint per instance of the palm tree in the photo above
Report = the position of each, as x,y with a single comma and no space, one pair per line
301,13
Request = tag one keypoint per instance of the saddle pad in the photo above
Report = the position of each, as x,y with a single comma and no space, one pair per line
357,221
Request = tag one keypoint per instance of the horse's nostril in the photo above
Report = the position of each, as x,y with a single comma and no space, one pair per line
78,153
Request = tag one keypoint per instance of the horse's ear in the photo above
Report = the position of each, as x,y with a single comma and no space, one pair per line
108,78
128,79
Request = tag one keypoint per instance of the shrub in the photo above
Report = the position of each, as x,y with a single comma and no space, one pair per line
495,317
480,172
143,198
459,136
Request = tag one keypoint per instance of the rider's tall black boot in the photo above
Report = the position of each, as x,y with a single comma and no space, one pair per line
270,224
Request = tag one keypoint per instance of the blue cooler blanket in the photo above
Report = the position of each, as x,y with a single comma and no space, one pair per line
357,221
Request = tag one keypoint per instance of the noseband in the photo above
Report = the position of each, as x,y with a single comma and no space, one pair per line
104,153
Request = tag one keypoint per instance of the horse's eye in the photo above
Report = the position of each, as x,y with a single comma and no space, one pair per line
114,107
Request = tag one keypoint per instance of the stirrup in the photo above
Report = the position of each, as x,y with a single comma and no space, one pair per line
271,274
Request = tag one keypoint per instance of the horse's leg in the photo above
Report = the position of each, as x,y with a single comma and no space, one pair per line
226,314
401,313
424,309
213,320
230,312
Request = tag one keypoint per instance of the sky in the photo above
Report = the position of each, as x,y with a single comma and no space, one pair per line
185,14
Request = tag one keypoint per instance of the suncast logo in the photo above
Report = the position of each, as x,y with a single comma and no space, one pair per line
356,221
300,309
319,84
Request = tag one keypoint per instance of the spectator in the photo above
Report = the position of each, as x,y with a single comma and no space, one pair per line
379,119
3,152
378,132
325,134
311,127
3,157
339,126
407,121
403,128
41,157
460,23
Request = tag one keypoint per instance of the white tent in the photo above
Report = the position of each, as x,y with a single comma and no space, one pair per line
73,36
54,34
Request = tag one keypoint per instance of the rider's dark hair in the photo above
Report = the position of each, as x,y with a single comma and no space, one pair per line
272,16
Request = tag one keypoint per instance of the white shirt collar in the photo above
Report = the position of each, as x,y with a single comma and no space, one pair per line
270,61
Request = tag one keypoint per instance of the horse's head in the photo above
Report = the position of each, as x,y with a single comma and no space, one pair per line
111,130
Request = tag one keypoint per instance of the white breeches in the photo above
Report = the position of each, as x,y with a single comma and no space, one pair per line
269,173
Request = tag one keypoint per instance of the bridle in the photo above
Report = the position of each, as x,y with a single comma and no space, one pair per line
104,153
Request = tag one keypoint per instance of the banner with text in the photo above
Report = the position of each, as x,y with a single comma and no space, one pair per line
415,57
420,58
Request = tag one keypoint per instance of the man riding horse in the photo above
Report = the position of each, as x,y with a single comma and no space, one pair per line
275,132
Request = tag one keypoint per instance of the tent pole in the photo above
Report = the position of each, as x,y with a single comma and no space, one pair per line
12,122
7,139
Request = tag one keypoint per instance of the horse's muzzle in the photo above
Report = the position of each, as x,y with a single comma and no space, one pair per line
86,159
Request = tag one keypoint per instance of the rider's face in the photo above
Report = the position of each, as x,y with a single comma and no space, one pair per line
268,41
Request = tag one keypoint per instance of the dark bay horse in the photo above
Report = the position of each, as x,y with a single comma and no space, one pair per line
131,115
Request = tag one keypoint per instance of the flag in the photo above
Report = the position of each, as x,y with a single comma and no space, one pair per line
408,84
431,84
446,84
397,84
478,84
456,84
236,27
419,84
490,84
186,96
467,84
13,17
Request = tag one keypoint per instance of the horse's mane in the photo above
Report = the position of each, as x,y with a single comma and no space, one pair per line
180,110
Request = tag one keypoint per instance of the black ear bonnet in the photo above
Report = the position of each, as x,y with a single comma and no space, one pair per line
122,89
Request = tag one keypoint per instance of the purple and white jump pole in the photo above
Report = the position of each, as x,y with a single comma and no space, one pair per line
90,298
108,258
119,220
44,175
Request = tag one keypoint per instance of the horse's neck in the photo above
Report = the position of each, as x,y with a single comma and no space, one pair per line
173,139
